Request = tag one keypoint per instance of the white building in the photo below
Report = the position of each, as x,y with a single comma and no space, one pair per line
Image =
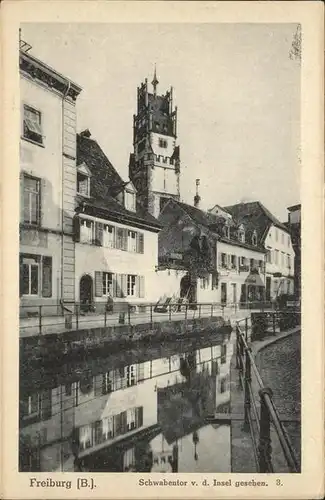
116,244
276,239
47,183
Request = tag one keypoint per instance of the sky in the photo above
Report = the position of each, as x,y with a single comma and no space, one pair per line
235,86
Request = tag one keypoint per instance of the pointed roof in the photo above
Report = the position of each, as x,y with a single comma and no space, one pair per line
255,215
155,81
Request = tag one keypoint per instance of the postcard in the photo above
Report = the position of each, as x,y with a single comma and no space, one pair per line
162,270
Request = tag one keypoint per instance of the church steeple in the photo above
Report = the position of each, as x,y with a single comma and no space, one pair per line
155,82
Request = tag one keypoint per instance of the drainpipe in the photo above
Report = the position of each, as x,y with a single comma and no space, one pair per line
62,185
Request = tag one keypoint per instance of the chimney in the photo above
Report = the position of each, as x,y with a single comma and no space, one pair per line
197,197
86,133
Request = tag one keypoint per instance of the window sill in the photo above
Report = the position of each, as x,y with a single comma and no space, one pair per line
41,145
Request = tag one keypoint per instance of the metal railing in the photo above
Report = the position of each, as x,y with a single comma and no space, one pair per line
260,412
45,319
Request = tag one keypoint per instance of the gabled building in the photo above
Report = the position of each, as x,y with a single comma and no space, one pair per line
205,258
294,226
154,166
47,184
116,240
262,227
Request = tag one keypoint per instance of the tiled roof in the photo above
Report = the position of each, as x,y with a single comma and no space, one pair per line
214,224
254,215
105,178
106,183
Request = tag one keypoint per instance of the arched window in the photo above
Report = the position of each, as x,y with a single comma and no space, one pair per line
241,233
254,238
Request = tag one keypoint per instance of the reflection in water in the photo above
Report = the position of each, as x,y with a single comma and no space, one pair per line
147,416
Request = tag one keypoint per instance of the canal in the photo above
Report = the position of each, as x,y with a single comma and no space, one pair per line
148,409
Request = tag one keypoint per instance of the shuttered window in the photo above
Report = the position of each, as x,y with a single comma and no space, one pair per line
98,284
140,243
47,277
31,200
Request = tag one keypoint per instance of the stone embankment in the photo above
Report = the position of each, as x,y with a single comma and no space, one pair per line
98,341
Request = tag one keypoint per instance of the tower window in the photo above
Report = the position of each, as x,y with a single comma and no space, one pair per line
162,143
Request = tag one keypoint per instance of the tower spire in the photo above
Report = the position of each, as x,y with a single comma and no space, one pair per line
155,82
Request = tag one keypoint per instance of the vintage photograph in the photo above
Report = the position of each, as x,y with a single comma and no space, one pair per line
160,250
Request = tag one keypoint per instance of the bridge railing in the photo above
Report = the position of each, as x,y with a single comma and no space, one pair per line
260,413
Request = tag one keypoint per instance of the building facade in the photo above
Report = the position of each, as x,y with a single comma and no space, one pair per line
294,226
154,166
116,242
276,240
205,257
47,185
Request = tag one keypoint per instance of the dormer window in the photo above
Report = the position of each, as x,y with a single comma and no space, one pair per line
254,238
162,143
241,233
226,231
130,201
83,180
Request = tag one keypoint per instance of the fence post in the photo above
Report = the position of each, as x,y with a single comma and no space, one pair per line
40,320
170,312
248,379
77,316
129,314
211,310
105,316
186,312
151,315
237,346
264,446
199,311
274,323
246,329
222,310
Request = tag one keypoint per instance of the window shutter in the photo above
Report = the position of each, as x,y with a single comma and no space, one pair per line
139,416
47,277
125,240
119,286
99,227
21,276
98,284
140,243
46,404
114,285
41,189
76,228
220,259
141,286
124,285
22,204
98,385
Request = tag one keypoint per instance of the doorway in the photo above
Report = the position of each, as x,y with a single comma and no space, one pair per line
223,293
86,293
268,289
188,290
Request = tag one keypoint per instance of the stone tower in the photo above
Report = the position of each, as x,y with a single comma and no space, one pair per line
154,166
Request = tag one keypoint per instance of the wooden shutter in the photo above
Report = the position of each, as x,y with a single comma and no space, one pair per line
140,243
46,404
98,284
124,285
219,259
123,422
119,286
139,416
99,227
98,385
141,287
76,228
47,277
21,276
125,240
22,204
